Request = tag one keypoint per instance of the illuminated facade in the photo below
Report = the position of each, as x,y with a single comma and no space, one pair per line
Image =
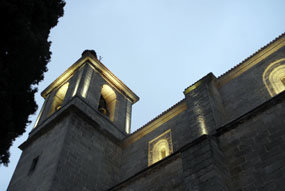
226,134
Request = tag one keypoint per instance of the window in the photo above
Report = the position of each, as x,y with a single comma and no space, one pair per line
160,147
107,102
58,98
274,77
33,165
160,150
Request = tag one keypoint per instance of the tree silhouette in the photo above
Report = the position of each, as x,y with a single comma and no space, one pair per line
24,54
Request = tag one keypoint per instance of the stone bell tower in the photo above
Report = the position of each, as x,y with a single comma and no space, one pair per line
75,144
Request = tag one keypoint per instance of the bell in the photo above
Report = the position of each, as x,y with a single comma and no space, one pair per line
103,106
57,107
103,110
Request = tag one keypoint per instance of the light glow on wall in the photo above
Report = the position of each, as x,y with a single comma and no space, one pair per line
160,147
203,128
127,123
200,119
273,77
193,87
77,82
87,80
128,117
58,98
110,96
40,114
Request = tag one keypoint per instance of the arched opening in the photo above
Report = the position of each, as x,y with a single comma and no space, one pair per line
274,77
107,102
160,150
58,98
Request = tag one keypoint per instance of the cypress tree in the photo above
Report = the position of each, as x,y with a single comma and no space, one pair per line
24,55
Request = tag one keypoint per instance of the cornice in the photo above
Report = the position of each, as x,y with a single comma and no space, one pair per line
254,59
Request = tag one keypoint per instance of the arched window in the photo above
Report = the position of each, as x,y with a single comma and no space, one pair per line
274,77
160,150
107,102
58,98
160,147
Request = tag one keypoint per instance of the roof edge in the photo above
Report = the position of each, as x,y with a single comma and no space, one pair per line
98,65
252,60
156,122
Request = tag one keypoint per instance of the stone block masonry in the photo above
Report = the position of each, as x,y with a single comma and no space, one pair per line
254,148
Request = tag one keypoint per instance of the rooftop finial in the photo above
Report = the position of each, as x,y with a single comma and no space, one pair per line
89,52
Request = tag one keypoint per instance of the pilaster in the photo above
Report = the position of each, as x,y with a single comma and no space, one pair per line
203,166
204,106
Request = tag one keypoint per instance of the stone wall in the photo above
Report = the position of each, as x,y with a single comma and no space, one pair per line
247,91
246,154
135,155
203,165
48,147
254,149
89,160
163,175
75,152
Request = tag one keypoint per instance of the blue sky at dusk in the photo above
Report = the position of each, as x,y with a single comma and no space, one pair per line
157,47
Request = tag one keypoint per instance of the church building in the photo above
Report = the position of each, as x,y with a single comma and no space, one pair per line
227,134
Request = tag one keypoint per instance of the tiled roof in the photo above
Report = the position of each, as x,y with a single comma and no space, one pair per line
276,39
157,117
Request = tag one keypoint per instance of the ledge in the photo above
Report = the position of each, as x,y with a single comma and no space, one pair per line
70,109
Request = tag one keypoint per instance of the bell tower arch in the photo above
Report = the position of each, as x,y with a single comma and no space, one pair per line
107,102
